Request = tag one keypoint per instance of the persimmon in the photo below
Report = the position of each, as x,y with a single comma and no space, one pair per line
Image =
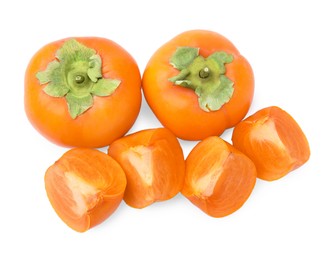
274,141
75,89
154,164
219,179
85,186
198,84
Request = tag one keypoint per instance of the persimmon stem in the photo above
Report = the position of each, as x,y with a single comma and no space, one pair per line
79,79
204,73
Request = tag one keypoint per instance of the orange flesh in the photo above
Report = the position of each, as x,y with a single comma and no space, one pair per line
219,179
154,164
204,185
84,187
274,141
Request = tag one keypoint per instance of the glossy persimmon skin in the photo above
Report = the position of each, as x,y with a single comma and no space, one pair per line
177,107
274,141
85,186
156,155
219,179
109,118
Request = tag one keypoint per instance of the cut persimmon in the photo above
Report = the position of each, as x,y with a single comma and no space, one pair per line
219,178
154,164
274,141
84,187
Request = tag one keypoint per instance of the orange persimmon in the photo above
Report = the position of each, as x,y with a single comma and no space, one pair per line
274,141
219,178
154,164
198,84
85,186
82,92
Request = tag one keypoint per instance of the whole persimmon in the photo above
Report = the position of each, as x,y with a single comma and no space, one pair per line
198,84
82,92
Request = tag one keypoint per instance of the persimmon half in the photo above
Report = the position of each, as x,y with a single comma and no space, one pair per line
82,91
154,164
198,84
274,141
219,179
85,186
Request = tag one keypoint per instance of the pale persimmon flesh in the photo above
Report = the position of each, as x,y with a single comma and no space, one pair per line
219,179
85,186
154,164
274,141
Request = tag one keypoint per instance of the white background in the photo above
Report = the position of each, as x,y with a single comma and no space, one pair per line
290,45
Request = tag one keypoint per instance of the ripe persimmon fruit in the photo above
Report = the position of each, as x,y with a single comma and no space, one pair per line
198,84
85,186
274,141
219,179
75,89
154,164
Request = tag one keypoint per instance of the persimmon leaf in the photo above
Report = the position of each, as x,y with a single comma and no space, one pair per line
212,99
52,71
105,87
221,58
54,90
183,57
72,51
183,83
78,105
181,76
56,86
94,70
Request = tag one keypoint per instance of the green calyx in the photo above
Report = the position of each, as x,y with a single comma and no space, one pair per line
203,75
76,75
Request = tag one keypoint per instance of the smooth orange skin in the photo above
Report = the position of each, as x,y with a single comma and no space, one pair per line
273,159
234,185
168,166
97,169
110,117
177,107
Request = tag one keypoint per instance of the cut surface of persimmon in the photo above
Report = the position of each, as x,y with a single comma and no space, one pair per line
219,179
154,164
274,141
85,186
